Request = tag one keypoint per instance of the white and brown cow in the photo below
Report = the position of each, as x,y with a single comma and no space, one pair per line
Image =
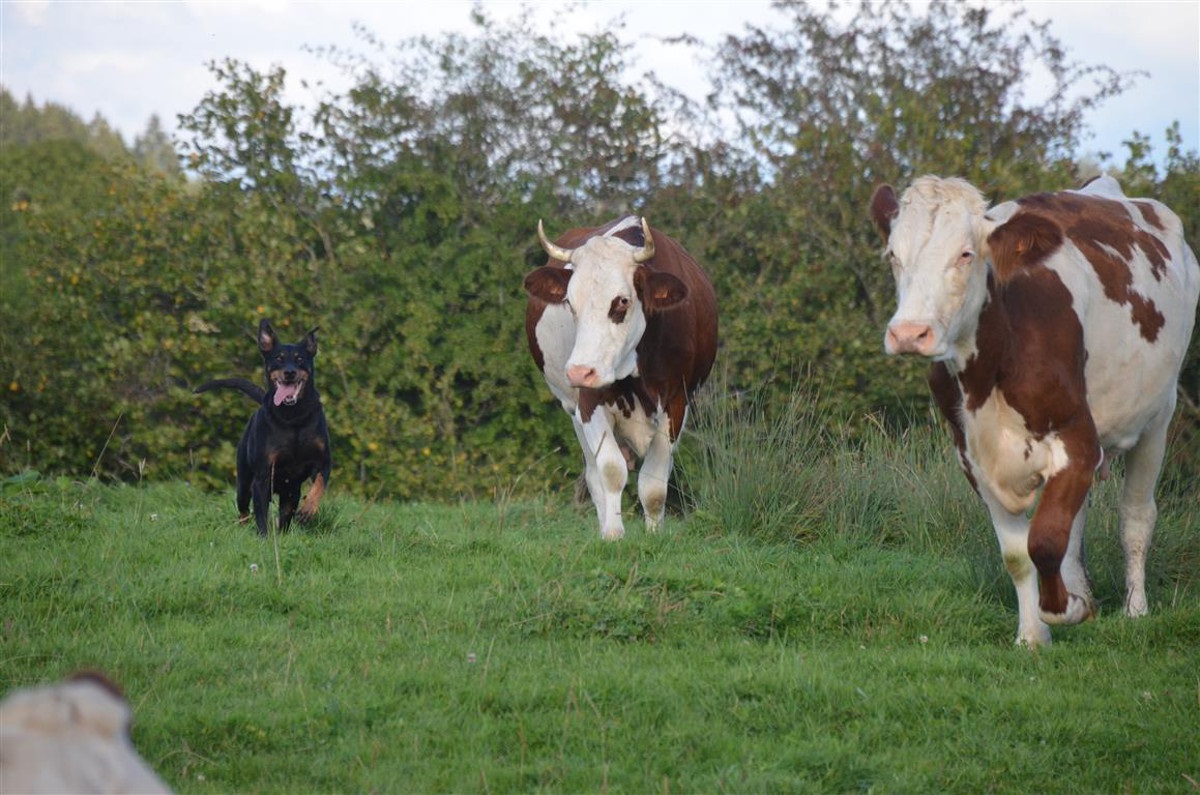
622,323
1057,325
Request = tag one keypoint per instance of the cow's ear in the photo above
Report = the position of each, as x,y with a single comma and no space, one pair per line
658,290
548,284
1025,241
884,209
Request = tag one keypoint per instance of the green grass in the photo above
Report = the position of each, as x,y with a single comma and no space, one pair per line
505,648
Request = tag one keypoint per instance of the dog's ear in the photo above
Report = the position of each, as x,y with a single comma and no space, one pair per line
267,341
310,341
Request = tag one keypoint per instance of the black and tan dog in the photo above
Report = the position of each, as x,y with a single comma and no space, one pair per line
286,442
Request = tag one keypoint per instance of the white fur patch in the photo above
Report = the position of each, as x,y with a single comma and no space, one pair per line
1006,458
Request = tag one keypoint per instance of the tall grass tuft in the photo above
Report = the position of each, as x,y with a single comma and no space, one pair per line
755,469
903,488
788,474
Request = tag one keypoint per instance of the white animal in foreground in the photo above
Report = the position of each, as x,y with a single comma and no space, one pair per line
71,737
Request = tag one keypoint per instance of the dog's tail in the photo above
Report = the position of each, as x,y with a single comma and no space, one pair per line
249,387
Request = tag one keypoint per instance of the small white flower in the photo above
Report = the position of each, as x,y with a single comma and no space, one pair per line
924,639
471,658
254,568
154,517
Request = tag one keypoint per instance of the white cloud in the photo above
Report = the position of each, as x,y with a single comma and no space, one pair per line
31,12
129,60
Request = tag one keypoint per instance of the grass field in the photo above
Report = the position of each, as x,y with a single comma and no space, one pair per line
502,647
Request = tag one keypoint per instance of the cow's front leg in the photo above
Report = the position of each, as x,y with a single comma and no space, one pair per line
655,476
607,471
1012,532
1074,568
1063,599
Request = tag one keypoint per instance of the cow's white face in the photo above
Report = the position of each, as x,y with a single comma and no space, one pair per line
934,249
610,293
609,318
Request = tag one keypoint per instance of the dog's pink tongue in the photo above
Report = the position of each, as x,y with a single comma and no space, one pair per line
285,391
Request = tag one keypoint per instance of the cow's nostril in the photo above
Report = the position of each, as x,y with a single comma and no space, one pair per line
579,375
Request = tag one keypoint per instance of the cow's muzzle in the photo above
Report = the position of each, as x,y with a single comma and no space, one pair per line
583,376
907,337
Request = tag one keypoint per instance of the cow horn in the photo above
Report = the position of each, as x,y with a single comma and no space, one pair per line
558,252
646,252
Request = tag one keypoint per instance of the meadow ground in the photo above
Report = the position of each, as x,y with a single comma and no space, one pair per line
502,647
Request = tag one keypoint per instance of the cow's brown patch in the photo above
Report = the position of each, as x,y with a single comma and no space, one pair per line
1029,346
949,399
1149,214
624,396
1107,235
1024,242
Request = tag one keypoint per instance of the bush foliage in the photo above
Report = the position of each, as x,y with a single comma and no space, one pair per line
399,217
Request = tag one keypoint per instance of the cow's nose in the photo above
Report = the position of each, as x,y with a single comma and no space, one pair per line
909,338
581,375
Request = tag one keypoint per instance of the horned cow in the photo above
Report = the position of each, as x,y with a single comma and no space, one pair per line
622,323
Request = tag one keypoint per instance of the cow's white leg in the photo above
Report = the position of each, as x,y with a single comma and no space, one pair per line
607,471
1138,510
591,472
655,476
1012,531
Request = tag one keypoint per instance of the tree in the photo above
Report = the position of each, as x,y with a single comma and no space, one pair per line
832,108
153,149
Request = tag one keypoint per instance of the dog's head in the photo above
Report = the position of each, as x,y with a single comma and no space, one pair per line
289,368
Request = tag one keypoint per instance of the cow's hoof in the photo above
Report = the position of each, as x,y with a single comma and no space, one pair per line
1034,640
1135,606
1079,609
612,533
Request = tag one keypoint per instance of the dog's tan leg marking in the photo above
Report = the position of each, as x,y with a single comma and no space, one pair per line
311,500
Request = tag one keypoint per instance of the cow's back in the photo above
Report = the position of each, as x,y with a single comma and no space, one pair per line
1134,283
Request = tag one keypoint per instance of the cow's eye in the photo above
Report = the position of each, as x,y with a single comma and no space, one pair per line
618,308
966,257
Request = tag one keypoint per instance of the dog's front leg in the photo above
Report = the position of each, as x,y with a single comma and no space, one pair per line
261,492
311,500
289,499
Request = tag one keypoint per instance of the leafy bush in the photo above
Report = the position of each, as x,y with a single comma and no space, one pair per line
399,217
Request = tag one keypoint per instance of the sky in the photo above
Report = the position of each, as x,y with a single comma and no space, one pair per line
130,60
